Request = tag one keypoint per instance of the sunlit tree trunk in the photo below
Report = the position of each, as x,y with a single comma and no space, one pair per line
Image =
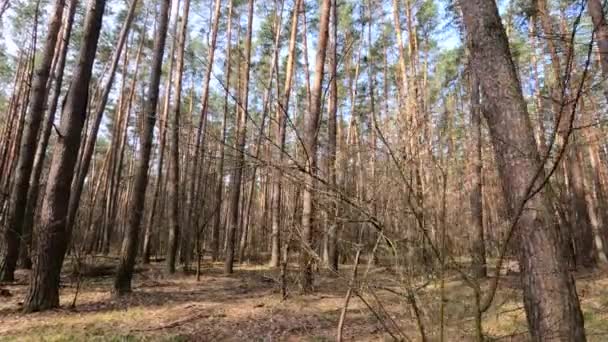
219,191
576,222
540,113
403,87
259,146
332,112
544,269
281,116
311,125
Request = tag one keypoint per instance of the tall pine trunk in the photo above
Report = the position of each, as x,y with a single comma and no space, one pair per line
596,10
27,151
544,269
476,192
199,144
237,175
576,226
124,273
43,141
54,233
87,152
311,126
219,191
173,191
332,112
247,231
282,113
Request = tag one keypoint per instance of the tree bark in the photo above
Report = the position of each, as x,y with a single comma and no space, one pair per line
34,189
476,199
280,118
87,152
540,113
219,190
311,124
199,146
237,176
27,151
403,87
596,10
159,181
124,274
174,227
247,234
544,271
111,185
332,112
10,123
123,131
54,234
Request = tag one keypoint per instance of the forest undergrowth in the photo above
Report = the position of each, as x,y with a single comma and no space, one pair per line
248,306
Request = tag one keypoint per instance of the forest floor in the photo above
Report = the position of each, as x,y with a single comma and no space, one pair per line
247,306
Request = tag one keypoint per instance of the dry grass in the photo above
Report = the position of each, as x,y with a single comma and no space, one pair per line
247,307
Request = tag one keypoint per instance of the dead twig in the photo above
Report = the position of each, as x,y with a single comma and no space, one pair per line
348,295
179,322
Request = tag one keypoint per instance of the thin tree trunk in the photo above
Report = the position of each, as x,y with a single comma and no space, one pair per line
403,87
219,191
27,151
581,211
174,227
87,152
575,223
159,180
199,147
122,145
111,186
278,22
107,177
305,53
596,10
540,114
372,184
10,123
332,112
310,149
34,189
18,113
598,170
122,282
479,245
235,193
280,117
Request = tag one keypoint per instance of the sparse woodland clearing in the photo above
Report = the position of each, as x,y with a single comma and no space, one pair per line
247,306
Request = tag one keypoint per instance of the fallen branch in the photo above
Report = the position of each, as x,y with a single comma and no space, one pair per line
179,322
347,298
